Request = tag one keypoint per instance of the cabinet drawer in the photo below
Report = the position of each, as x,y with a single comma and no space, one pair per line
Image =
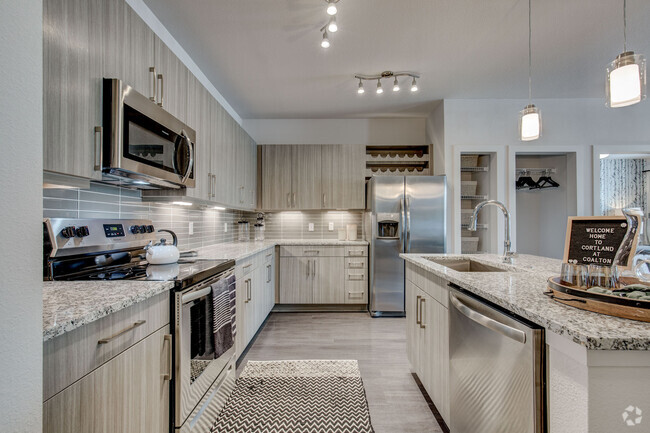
357,251
311,251
355,275
244,266
74,354
356,292
267,255
355,263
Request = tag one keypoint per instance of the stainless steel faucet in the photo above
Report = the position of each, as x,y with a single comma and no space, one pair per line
507,253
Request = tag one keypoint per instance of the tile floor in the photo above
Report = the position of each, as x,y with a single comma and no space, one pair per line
396,404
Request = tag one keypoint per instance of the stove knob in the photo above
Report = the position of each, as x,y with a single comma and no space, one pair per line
150,229
82,232
135,229
143,229
68,232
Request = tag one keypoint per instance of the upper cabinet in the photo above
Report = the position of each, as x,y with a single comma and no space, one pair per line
85,41
308,177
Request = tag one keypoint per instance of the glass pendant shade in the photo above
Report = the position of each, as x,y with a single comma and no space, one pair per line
360,89
530,123
626,80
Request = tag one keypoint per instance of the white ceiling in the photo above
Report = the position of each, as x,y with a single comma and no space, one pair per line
264,56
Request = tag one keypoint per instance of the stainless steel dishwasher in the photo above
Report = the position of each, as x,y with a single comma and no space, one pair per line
497,369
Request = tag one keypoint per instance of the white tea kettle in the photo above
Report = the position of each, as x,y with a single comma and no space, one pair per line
163,253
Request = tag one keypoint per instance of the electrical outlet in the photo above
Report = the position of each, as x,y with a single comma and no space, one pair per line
311,227
191,228
225,227
330,227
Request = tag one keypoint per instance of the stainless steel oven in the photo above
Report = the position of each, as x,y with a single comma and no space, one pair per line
204,351
143,145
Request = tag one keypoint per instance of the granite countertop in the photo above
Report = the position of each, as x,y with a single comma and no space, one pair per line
242,250
68,305
521,291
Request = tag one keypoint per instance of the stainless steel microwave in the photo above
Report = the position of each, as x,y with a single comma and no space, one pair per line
144,146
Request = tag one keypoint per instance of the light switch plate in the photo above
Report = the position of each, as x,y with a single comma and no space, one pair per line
225,227
311,227
330,227
191,228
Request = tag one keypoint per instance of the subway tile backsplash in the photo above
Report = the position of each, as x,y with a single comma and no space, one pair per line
105,201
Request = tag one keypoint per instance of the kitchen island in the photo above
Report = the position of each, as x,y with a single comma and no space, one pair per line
597,366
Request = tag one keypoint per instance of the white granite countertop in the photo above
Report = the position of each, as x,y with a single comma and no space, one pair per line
68,305
242,250
521,291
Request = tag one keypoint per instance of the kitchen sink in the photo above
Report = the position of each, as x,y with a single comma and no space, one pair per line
466,265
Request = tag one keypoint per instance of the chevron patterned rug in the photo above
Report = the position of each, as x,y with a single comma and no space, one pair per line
297,397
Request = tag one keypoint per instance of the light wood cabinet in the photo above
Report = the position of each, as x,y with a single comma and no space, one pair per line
296,284
72,85
276,177
308,177
427,336
172,81
126,394
198,116
343,178
328,280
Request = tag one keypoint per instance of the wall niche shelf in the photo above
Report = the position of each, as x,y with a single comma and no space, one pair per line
474,169
398,160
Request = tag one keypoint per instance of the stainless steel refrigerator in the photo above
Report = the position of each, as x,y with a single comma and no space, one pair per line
405,214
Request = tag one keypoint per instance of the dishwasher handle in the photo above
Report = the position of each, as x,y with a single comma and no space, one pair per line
488,322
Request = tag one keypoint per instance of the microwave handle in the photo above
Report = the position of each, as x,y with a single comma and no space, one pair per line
188,142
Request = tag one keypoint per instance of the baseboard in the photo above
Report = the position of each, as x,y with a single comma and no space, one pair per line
434,409
319,308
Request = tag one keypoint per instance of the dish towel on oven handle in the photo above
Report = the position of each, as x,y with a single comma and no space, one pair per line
223,298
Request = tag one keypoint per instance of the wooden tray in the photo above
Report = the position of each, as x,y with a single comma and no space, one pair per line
611,305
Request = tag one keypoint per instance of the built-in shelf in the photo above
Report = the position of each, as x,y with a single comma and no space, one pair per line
474,169
398,160
478,226
533,171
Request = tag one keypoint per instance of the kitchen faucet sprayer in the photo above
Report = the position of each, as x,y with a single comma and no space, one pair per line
507,254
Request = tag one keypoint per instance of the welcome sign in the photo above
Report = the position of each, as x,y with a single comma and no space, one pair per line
594,240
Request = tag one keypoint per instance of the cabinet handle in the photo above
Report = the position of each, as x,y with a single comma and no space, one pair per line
248,290
168,375
308,265
162,89
324,199
354,294
312,251
247,266
99,143
357,252
214,189
268,276
123,331
152,98
356,277
241,194
356,265
294,200
313,275
210,189
269,255
417,310
422,325
288,200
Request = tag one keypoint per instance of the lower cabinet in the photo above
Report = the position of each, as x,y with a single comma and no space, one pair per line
427,335
255,289
323,275
127,394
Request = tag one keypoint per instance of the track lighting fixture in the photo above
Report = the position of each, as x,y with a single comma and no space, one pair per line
331,7
387,74
530,118
626,80
325,43
332,26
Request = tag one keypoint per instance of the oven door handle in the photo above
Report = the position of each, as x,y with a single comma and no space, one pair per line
189,297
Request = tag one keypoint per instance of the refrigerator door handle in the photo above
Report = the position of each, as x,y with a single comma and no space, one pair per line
402,222
408,224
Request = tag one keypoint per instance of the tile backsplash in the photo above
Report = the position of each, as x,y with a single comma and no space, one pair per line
105,201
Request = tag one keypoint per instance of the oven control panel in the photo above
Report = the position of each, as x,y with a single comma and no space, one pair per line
70,236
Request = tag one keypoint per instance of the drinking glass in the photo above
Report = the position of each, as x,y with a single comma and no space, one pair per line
603,276
574,275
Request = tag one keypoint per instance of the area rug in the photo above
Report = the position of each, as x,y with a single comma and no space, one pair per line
311,396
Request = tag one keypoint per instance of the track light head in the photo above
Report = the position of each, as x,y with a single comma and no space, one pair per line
395,85
331,7
379,89
332,26
325,43
360,90
414,86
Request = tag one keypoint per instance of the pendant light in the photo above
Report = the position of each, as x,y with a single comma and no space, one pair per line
395,85
626,81
379,89
360,90
325,43
530,118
